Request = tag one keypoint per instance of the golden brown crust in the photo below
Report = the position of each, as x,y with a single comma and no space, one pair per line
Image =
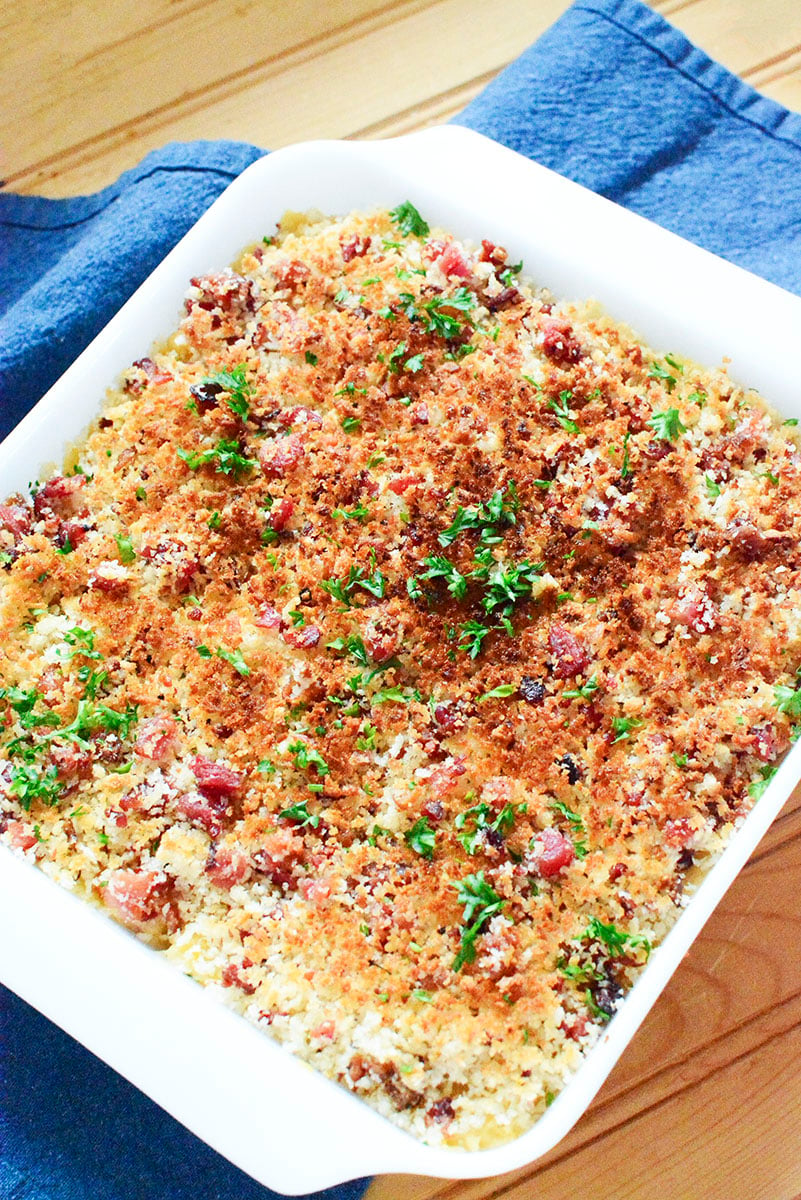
240,704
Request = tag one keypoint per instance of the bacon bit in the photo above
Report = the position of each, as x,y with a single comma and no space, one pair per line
418,414
302,638
227,866
315,890
268,618
433,809
382,639
552,853
402,482
157,738
72,532
110,577
571,657
444,778
491,253
355,247
279,853
617,870
208,813
71,762
678,832
18,836
16,518
60,497
695,610
445,716
299,415
574,1027
769,742
449,257
558,342
232,294
136,896
278,457
153,374
503,299
214,778
291,274
232,977
281,514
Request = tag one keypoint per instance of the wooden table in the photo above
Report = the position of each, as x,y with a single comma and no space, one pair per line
706,1104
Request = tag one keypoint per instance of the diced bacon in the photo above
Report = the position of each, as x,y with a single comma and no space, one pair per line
278,854
570,656
280,514
232,977
215,778
382,639
574,1027
551,853
445,777
110,577
768,742
232,294
71,531
281,455
157,738
16,518
303,637
291,274
19,838
679,832
315,890
355,247
452,261
71,761
60,497
208,813
227,867
298,414
136,897
558,342
503,299
402,482
418,414
492,253
268,617
695,610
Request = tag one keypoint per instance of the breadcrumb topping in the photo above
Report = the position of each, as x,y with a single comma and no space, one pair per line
396,653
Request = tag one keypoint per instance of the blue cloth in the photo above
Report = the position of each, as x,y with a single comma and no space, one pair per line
611,96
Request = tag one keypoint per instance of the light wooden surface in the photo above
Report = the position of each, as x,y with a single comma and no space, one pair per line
706,1103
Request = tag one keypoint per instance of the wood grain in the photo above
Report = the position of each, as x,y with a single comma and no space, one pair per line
705,1104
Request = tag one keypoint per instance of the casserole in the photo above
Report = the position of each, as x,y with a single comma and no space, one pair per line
590,273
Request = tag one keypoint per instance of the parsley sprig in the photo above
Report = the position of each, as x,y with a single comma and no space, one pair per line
481,903
409,221
226,456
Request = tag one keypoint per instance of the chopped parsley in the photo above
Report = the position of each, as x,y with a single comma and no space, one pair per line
234,657
226,457
125,548
307,756
311,359
351,424
486,519
713,489
667,425
616,940
235,383
481,903
584,692
662,374
409,221
299,813
499,693
787,700
421,838
561,410
759,785
623,727
28,783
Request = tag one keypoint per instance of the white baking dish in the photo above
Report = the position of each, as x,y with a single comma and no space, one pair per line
221,1077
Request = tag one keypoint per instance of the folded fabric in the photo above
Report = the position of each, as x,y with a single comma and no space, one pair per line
611,96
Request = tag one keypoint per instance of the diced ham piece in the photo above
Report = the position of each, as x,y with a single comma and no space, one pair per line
492,253
225,290
449,257
400,484
419,414
303,637
214,778
268,617
207,813
278,855
281,455
768,742
551,853
570,656
291,274
19,838
445,777
355,247
695,610
71,761
71,531
227,867
232,977
110,577
314,890
382,639
558,342
153,374
60,497
280,514
298,414
16,518
136,896
679,832
157,738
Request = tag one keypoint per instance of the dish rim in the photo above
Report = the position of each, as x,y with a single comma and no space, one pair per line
474,187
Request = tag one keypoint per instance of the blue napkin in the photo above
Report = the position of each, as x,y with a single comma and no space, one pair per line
612,96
